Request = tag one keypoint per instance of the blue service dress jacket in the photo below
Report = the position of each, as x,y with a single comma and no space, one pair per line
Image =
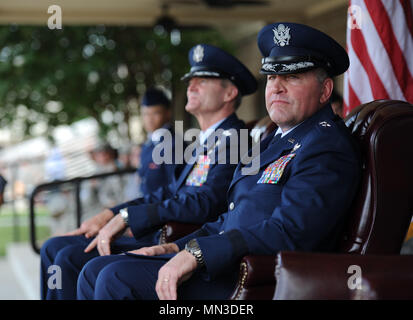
196,195
153,176
297,201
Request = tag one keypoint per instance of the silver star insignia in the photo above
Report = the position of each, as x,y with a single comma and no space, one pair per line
324,124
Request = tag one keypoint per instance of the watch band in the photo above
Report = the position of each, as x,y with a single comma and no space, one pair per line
193,248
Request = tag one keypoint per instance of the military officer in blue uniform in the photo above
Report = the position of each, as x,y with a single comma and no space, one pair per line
308,176
156,114
216,83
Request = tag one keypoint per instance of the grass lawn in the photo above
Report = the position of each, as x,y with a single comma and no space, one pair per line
7,229
6,235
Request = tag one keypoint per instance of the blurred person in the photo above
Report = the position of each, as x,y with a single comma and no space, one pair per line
337,103
156,114
3,183
59,199
97,194
132,182
123,158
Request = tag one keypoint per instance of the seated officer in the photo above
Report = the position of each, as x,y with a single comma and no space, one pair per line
298,200
217,81
156,114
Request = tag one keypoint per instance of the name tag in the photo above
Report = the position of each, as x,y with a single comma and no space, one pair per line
199,172
272,174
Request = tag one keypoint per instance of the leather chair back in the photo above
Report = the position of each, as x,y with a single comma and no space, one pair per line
383,207
320,276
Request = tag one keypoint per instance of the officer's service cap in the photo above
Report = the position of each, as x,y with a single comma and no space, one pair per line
292,48
211,62
154,96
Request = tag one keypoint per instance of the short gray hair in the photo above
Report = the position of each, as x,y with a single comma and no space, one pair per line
321,75
238,98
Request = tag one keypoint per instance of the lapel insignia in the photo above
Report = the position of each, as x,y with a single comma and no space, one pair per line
291,140
199,172
297,145
272,174
281,35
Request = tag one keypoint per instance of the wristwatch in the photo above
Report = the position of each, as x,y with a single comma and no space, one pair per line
193,248
124,214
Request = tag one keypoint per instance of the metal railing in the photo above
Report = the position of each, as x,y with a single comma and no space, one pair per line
77,184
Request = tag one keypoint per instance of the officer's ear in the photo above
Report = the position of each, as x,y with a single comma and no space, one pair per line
326,90
231,92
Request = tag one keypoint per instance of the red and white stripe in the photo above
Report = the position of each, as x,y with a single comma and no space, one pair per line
380,47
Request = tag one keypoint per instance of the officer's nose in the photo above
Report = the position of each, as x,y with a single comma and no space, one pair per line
277,85
192,85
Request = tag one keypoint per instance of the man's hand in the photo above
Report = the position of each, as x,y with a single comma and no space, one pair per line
106,235
157,250
173,273
91,227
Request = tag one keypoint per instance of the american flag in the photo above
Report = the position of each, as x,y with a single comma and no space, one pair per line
380,47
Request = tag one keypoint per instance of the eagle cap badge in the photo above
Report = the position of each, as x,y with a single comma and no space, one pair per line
281,35
198,53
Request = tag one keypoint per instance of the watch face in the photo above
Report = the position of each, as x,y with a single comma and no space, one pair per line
192,243
193,247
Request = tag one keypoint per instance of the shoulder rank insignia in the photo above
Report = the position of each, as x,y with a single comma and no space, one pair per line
324,124
272,174
199,172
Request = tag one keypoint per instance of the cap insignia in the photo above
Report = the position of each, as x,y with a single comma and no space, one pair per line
198,53
281,35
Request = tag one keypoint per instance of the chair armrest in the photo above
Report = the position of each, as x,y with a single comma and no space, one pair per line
256,280
172,231
343,276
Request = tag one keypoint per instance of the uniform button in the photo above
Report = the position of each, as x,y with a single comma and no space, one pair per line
231,206
221,232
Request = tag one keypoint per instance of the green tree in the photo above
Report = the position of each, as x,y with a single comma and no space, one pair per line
56,77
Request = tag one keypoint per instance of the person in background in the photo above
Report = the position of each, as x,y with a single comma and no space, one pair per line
156,114
97,194
337,103
3,183
132,182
